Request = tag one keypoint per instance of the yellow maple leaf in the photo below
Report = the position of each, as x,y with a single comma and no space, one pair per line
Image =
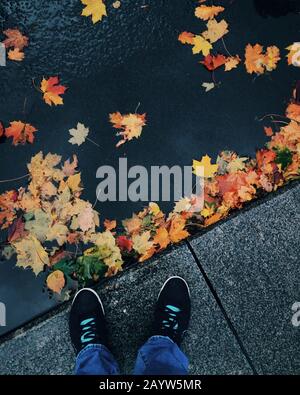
232,62
236,164
30,253
183,204
293,56
201,45
205,12
94,8
142,243
56,281
215,30
131,125
272,58
73,182
204,168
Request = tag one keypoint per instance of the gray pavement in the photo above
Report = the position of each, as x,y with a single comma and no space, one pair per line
244,278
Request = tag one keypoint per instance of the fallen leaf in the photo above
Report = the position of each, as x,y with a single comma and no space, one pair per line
16,230
86,219
59,233
257,62
15,39
20,132
30,253
142,243
213,62
205,12
38,225
236,164
79,134
15,54
254,59
232,62
94,8
131,125
293,57
186,38
215,30
116,4
110,225
272,57
268,131
69,168
177,230
52,91
124,243
162,238
208,86
183,204
56,281
201,45
204,166
74,182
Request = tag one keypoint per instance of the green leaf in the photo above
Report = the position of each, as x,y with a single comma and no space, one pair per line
67,266
283,157
88,266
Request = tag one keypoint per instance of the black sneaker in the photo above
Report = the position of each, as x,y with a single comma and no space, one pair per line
173,309
87,320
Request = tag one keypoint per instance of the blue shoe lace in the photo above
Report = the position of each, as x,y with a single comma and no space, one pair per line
170,322
88,327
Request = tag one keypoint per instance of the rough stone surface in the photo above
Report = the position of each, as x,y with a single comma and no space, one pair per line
252,261
129,301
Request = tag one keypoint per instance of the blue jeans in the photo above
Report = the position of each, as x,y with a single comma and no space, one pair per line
159,355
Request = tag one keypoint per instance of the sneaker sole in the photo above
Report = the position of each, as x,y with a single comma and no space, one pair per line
95,293
170,278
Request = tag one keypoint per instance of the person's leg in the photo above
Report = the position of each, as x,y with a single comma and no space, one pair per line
161,353
89,337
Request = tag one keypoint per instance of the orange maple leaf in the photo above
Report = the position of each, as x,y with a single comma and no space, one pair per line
186,38
130,124
52,91
268,131
293,111
15,54
20,132
254,59
205,12
177,230
213,62
8,208
15,39
162,238
110,225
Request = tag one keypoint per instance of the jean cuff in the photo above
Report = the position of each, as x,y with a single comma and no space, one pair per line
90,347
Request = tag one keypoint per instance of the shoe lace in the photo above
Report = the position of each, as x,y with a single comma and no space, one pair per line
170,320
88,328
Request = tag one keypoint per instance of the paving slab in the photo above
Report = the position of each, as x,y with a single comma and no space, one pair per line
252,261
129,300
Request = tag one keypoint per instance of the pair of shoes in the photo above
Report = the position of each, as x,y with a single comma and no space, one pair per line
172,314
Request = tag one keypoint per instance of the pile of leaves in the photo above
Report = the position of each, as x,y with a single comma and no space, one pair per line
50,228
256,60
